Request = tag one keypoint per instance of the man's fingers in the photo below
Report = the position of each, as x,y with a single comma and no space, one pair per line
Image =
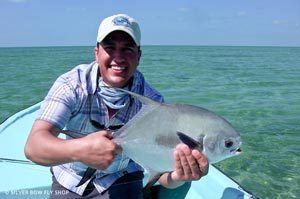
178,166
189,164
185,156
201,161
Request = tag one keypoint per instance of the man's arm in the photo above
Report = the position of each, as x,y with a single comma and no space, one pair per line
44,147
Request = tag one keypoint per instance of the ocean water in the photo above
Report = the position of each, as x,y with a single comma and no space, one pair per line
257,89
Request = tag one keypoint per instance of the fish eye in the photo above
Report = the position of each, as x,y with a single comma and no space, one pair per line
228,143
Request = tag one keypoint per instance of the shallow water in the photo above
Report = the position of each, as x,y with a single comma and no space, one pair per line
256,88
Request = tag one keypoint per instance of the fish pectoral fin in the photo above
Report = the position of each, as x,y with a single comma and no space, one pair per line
88,174
192,143
153,179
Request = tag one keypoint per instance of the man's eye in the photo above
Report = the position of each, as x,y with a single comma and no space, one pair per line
128,49
109,47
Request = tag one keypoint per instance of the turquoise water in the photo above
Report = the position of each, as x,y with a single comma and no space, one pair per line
256,88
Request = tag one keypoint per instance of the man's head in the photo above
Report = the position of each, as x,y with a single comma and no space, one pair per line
117,52
119,22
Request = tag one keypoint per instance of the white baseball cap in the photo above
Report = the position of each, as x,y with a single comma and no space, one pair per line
120,22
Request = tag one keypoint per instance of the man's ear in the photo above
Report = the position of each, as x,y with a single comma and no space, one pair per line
96,51
140,55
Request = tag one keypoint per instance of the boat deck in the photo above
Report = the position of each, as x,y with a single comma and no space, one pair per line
23,179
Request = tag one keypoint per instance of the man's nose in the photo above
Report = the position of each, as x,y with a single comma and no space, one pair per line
119,56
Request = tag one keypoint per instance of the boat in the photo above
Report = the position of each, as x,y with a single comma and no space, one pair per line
21,178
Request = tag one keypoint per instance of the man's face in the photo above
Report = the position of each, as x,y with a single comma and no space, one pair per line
118,58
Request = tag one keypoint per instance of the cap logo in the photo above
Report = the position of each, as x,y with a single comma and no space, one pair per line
121,21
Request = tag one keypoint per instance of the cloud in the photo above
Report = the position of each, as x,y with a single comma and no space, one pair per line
285,23
242,13
17,1
182,9
276,22
76,9
280,22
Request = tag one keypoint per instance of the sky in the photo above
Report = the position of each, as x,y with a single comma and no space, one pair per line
163,22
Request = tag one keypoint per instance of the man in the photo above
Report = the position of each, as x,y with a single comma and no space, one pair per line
81,101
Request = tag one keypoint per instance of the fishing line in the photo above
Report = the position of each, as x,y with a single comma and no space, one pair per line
16,161
22,163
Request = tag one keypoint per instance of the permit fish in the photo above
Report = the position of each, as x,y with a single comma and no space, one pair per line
151,136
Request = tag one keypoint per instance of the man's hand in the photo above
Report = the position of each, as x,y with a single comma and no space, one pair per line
97,150
190,164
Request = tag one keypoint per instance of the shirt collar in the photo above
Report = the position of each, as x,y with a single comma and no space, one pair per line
94,78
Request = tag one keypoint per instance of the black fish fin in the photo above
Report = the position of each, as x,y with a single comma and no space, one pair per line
192,143
73,134
88,174
152,181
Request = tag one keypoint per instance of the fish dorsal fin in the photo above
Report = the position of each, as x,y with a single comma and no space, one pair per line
192,143
143,99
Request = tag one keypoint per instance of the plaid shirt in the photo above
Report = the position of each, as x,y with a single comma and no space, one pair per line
73,103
